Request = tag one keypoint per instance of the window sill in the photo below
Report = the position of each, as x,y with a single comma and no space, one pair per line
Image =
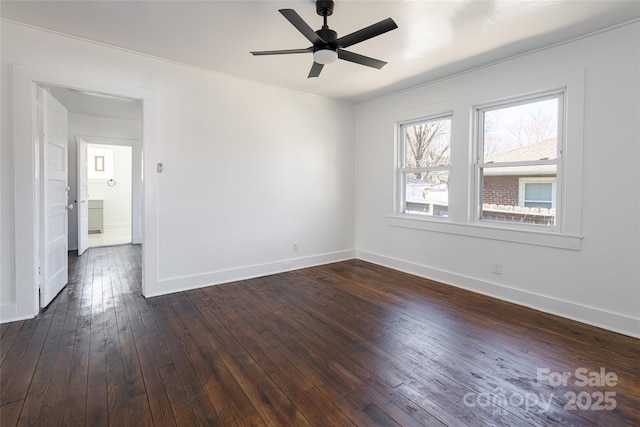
482,231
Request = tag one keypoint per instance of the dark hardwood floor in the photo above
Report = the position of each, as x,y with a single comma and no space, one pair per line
349,343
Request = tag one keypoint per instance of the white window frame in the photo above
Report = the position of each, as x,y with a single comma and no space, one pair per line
107,156
480,164
462,206
523,181
402,170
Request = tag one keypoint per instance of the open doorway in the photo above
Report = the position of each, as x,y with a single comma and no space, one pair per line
109,183
105,178
27,267
102,132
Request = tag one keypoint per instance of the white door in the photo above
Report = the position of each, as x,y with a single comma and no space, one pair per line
55,198
83,197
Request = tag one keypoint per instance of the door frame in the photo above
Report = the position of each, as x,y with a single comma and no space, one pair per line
82,198
27,179
136,179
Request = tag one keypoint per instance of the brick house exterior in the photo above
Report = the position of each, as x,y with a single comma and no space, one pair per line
502,192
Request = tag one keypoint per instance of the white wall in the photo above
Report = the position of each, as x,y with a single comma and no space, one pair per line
106,130
116,198
248,170
599,284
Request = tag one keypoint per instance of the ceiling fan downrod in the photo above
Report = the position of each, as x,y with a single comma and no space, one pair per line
324,8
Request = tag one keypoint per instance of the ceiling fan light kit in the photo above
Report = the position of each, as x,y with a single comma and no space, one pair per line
326,46
325,56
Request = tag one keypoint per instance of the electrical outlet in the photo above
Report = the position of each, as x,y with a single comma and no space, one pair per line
497,267
294,247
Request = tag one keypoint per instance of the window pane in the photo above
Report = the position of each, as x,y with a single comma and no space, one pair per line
538,191
426,193
427,143
521,132
506,196
100,163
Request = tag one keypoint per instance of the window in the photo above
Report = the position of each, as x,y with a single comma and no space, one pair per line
512,166
537,193
100,162
424,160
519,160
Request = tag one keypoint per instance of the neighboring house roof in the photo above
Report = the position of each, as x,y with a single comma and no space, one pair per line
546,149
415,181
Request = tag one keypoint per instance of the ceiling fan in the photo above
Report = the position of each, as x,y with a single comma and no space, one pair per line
327,47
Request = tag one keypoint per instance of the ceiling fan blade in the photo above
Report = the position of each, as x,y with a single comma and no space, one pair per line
282,52
360,59
315,70
295,19
367,33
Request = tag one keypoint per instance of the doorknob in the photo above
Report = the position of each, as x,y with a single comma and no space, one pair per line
70,206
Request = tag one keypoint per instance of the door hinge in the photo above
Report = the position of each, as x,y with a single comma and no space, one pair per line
39,279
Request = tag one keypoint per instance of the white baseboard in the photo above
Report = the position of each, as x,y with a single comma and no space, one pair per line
185,283
590,315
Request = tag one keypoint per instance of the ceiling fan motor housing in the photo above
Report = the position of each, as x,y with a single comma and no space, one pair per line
329,36
324,7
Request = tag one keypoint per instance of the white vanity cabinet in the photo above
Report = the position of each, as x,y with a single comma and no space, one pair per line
96,217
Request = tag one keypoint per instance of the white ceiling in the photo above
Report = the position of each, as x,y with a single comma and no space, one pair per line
97,104
434,38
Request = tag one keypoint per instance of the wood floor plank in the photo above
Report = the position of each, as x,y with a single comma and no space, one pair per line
223,391
34,405
150,354
275,363
506,366
192,391
305,369
157,397
81,284
462,360
309,364
356,382
270,402
97,386
10,413
343,344
124,303
53,403
365,360
25,359
181,403
10,333
139,414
